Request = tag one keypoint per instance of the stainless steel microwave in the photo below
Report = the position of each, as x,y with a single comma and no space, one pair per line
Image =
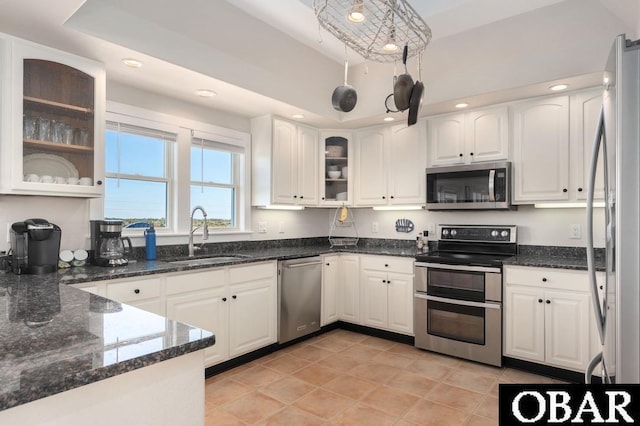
479,186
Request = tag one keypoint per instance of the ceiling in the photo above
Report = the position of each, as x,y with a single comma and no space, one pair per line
265,57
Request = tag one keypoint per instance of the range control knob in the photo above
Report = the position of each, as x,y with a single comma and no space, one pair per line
453,232
445,232
504,234
494,233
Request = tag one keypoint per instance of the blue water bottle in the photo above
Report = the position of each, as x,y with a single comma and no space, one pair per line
150,243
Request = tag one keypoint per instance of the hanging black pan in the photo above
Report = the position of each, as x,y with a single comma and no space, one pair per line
344,97
416,97
403,86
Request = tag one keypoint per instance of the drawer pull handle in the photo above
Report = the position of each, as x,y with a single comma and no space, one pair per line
234,297
539,300
136,291
548,302
386,265
224,299
544,280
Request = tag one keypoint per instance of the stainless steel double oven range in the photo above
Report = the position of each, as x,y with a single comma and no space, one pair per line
458,292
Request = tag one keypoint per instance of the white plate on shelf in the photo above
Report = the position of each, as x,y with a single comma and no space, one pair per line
49,164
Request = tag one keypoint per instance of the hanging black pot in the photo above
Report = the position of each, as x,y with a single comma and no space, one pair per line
344,97
403,85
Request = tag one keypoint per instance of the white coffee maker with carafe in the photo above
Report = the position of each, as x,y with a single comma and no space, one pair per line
108,244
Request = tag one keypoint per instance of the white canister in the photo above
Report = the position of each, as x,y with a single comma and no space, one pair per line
345,172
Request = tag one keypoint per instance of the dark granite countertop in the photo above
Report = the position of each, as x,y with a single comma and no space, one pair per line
54,338
555,257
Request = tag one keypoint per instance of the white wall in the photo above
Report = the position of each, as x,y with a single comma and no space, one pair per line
548,227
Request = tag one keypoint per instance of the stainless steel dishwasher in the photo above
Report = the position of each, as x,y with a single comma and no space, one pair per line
299,297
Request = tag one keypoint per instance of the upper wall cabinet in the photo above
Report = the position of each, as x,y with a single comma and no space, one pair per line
52,122
541,150
389,165
480,135
285,162
335,171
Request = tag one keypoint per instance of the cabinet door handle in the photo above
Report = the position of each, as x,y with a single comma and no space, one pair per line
224,299
234,297
295,196
301,197
386,265
391,197
471,154
539,300
384,198
99,182
328,264
579,189
136,291
548,302
322,198
460,154
564,189
544,280
384,281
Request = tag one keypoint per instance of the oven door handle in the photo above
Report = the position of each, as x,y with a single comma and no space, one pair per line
459,302
457,267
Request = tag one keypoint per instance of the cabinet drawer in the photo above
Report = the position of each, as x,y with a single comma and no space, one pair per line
563,279
387,264
195,281
251,272
130,291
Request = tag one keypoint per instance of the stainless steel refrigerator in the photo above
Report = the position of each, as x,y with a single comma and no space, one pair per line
616,298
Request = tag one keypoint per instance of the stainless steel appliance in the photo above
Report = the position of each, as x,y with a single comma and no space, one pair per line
299,297
479,186
458,292
35,246
617,145
107,243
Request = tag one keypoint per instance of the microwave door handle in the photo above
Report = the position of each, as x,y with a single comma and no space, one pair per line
492,185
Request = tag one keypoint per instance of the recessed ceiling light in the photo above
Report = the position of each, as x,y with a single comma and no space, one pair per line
298,116
133,63
462,105
558,87
205,93
389,119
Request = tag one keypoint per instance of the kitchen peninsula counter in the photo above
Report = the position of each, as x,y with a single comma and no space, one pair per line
55,338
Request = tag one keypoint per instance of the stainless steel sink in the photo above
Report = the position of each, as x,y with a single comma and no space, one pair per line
211,260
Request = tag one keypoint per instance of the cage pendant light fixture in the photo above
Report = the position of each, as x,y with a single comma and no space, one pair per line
372,28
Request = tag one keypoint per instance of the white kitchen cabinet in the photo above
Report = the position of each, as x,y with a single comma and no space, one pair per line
479,135
547,316
389,165
336,154
330,286
541,150
387,293
349,288
285,162
143,293
585,112
200,299
53,110
253,306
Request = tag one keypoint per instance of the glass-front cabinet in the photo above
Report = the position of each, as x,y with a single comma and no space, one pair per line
52,122
335,182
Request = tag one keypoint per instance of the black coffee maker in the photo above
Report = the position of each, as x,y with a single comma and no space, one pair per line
108,244
35,246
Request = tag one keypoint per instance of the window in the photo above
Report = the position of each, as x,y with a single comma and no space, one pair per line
138,175
216,170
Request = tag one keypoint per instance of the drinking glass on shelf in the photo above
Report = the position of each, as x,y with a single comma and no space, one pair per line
57,131
67,138
83,137
29,127
44,128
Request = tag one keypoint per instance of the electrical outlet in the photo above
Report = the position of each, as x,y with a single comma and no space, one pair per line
574,231
262,227
281,227
374,227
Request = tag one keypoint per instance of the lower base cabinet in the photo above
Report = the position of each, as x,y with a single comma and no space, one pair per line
237,303
548,318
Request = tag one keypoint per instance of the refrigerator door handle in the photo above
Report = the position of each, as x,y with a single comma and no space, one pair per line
597,307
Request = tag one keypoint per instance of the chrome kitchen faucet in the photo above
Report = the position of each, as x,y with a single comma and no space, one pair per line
205,230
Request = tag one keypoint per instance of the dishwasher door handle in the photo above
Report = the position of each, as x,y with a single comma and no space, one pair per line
300,265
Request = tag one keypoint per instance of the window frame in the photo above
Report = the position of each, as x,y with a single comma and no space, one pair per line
184,128
236,176
148,129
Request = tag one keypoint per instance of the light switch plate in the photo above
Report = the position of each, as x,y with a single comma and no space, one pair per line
575,232
262,227
374,227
